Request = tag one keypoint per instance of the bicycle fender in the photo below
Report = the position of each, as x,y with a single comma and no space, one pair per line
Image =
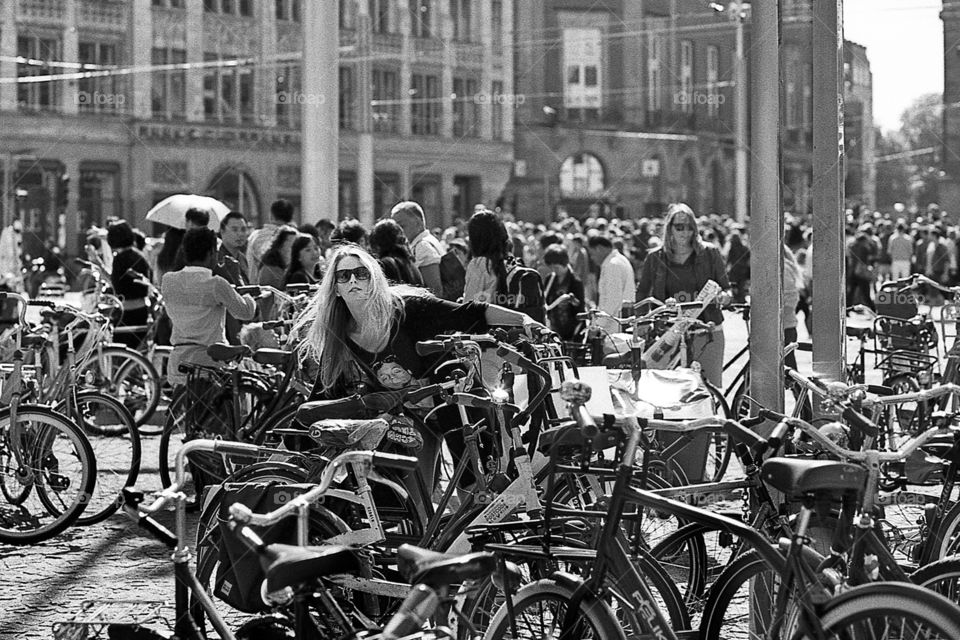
569,580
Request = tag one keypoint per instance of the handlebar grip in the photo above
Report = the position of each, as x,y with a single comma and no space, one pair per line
238,448
470,400
742,434
588,427
404,463
430,347
514,357
249,289
750,423
775,439
859,421
49,304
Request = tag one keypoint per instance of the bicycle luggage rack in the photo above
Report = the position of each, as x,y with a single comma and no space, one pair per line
96,615
903,361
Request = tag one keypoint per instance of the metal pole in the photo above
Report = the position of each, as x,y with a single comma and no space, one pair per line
7,187
741,96
320,133
766,219
829,271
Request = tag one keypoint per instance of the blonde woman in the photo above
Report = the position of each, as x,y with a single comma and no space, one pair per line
678,269
361,329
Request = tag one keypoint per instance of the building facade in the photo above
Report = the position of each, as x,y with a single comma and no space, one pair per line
118,104
625,106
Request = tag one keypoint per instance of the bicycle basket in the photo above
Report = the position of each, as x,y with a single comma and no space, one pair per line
903,361
913,334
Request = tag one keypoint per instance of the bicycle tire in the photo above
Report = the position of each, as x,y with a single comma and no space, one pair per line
55,441
945,539
130,377
117,451
899,609
600,622
747,584
942,576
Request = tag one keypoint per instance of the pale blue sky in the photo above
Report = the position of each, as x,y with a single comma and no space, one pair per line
904,40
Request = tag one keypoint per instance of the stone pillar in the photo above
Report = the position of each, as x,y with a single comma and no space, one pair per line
69,104
406,53
8,51
445,22
486,73
365,163
141,48
266,76
321,133
510,107
194,55
71,214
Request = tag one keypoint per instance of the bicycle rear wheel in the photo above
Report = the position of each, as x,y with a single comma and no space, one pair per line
129,377
59,470
539,609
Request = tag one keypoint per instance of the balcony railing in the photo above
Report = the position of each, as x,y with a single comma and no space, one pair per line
101,15
47,10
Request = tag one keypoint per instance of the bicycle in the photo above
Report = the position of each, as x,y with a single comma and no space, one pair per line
567,607
47,467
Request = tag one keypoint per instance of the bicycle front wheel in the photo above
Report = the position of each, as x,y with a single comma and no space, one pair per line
538,612
53,479
113,436
889,610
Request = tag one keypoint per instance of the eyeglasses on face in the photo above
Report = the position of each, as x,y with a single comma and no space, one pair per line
360,273
682,226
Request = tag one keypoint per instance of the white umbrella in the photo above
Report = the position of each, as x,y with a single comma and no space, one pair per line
171,211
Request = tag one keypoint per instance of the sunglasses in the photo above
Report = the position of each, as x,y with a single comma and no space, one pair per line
680,226
360,273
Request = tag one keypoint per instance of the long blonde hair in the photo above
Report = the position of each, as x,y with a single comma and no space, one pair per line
670,246
326,322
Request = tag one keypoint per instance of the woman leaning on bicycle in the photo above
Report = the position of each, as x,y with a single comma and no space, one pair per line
679,268
362,329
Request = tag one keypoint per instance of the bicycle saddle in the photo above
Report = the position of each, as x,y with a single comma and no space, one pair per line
421,566
33,341
287,565
227,352
795,477
272,357
859,332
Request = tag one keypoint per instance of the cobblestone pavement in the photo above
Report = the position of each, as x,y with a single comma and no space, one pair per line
47,582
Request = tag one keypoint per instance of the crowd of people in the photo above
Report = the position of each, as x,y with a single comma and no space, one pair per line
549,273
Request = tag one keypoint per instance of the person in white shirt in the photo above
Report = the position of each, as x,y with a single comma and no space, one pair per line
900,248
616,284
427,250
197,303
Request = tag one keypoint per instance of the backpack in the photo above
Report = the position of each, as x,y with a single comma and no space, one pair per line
524,292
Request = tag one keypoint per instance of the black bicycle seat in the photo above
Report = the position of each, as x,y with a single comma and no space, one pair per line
272,357
859,332
421,566
288,565
227,352
796,476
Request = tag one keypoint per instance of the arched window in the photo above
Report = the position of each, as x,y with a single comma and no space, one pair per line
581,175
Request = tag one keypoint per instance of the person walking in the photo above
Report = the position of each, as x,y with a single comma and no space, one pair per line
900,249
563,293
615,284
304,261
389,244
427,250
281,213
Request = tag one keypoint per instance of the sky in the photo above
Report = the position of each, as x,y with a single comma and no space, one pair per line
904,41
